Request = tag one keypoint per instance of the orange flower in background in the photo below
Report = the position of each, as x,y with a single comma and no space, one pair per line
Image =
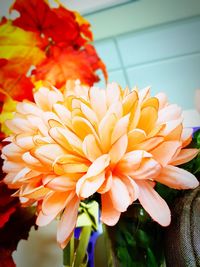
67,146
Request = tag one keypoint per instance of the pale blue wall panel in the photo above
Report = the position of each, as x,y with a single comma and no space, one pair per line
178,78
108,53
161,42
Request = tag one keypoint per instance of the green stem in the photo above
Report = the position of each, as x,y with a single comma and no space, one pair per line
68,253
82,246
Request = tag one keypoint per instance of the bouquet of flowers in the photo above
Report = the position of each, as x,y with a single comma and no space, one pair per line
76,149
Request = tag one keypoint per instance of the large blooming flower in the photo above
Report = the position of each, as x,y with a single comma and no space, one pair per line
67,146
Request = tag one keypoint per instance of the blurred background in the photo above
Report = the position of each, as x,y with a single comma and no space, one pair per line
142,42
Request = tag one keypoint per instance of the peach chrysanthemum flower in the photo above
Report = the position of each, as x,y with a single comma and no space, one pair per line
67,146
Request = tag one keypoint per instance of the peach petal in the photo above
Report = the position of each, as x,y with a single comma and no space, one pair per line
135,137
166,151
117,189
24,141
12,151
47,154
131,161
67,139
55,202
120,129
171,112
118,149
177,178
109,214
151,102
149,144
98,165
87,186
91,148
105,187
68,222
132,187
148,119
60,183
98,101
112,93
184,156
63,113
43,220
186,136
83,124
149,169
106,127
144,94
129,102
153,203
27,107
89,114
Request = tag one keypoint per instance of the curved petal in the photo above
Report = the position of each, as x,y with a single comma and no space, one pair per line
166,151
55,202
184,156
109,215
91,148
43,219
177,178
105,187
118,149
87,186
186,136
120,129
153,203
119,195
131,161
68,222
149,169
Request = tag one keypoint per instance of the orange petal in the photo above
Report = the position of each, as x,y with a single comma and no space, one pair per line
148,119
43,219
118,149
149,169
105,187
117,189
131,161
82,127
68,222
120,129
98,101
112,93
170,112
184,156
135,137
56,202
61,183
177,178
99,165
91,148
47,154
106,127
109,215
166,151
149,144
154,204
87,186
186,136
129,102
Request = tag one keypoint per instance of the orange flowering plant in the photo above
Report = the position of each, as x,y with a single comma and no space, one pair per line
67,146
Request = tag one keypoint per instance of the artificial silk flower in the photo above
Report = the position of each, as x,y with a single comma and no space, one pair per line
69,145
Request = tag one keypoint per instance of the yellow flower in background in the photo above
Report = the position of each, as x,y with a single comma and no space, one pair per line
67,146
